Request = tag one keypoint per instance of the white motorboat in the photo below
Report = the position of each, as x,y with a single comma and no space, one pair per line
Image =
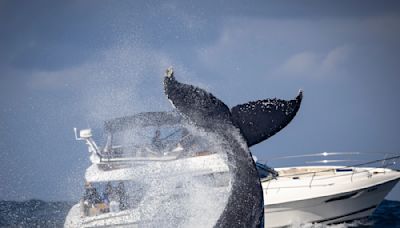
292,195
138,184
326,194
159,171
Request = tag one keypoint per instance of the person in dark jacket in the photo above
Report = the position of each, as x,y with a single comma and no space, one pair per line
90,199
123,197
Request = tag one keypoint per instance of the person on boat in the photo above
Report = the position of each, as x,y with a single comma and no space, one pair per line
123,197
187,139
156,141
91,195
90,198
110,198
107,194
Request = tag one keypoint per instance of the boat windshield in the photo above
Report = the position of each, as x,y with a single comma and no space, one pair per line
154,137
146,136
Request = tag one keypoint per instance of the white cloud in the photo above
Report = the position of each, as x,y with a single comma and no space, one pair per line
334,58
300,63
311,64
297,47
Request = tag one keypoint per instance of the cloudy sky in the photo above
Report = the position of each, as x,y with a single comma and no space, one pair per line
66,64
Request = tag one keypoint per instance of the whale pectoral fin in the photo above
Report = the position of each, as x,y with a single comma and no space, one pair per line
259,120
198,105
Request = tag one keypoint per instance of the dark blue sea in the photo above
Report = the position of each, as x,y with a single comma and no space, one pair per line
37,213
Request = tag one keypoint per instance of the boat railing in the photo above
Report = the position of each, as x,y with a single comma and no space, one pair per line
389,160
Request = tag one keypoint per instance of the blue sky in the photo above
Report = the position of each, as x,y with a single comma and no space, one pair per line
76,63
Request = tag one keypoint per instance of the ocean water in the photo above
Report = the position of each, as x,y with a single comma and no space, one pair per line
37,213
33,213
387,214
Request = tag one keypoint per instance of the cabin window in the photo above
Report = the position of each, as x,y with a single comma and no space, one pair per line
344,170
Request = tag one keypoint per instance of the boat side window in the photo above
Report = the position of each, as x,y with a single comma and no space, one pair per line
340,170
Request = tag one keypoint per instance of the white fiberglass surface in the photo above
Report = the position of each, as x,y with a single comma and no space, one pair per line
301,185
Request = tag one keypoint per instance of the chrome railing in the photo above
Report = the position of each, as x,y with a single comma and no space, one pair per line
390,160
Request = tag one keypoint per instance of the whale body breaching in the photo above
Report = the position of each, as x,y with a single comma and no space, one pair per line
241,127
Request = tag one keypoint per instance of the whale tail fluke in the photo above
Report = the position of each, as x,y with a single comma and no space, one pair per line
259,120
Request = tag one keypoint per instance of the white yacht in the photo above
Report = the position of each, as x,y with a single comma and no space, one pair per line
292,195
150,166
325,194
134,179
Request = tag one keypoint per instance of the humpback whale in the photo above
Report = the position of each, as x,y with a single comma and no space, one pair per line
241,127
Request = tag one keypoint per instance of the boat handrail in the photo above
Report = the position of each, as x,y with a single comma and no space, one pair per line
384,165
325,154
349,166
301,186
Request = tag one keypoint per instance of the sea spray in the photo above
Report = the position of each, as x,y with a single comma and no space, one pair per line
191,191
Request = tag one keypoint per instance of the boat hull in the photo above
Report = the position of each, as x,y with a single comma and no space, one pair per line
129,218
335,208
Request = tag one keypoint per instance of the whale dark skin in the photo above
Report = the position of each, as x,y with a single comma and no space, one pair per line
245,207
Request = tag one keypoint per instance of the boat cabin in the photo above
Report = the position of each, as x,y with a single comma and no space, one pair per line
151,145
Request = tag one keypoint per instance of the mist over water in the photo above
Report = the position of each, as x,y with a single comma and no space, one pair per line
120,81
123,81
